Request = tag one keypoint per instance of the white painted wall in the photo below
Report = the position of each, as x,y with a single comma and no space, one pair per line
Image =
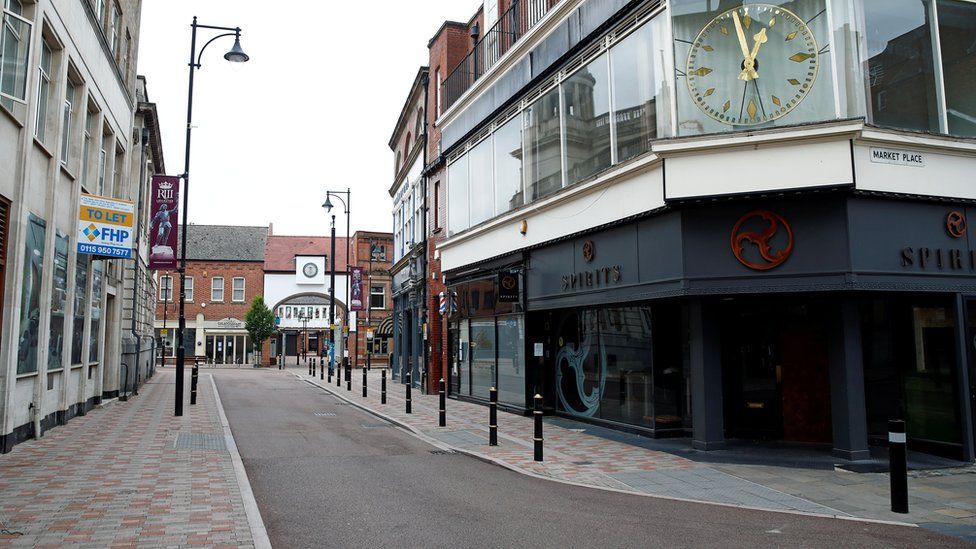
280,287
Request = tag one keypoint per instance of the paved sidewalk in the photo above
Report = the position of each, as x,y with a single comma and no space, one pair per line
129,474
942,500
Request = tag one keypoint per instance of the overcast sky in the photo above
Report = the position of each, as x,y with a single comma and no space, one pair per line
312,111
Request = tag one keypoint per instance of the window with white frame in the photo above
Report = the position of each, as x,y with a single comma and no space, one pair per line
377,297
166,289
66,116
114,28
99,7
90,120
101,172
15,54
217,288
43,92
238,295
188,290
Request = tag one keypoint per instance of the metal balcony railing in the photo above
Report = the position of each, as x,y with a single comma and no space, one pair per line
521,16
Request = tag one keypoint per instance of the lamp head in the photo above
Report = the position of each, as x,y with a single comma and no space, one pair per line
236,54
328,204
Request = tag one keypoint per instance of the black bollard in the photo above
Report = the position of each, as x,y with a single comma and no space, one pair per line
409,385
493,417
338,375
313,367
348,374
898,465
364,382
443,411
193,382
537,412
330,370
310,372
382,386
321,362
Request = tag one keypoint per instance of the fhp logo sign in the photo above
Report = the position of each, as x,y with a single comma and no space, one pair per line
105,227
762,240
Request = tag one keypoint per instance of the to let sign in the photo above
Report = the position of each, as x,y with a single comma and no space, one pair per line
897,157
105,227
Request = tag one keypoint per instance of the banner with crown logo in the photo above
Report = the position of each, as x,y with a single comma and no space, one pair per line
165,200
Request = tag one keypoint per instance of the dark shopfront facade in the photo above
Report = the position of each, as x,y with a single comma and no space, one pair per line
408,321
808,319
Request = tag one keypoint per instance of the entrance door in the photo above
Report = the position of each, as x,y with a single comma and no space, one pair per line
775,373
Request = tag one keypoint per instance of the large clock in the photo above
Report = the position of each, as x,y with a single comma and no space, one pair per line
310,270
752,64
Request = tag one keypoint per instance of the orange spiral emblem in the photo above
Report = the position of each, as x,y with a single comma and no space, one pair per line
762,240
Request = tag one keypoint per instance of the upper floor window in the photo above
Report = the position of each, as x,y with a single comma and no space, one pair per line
43,92
115,29
14,55
217,288
437,91
377,297
91,119
188,290
66,116
166,289
98,6
238,288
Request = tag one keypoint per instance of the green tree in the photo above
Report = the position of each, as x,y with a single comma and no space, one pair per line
260,324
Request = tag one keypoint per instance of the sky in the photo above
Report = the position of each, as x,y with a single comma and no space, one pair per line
312,111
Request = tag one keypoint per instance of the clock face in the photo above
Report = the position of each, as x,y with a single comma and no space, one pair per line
752,65
310,270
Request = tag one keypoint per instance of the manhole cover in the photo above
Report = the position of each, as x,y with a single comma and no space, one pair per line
325,414
199,441
443,452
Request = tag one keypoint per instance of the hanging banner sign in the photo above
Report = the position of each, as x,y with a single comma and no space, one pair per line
164,202
105,227
356,290
508,287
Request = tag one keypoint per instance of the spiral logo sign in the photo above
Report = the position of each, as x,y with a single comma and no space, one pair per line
589,251
956,224
757,241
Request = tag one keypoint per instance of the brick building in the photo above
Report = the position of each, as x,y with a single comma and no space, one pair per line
371,252
224,273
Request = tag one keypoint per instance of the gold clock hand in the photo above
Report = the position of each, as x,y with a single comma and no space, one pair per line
760,40
741,34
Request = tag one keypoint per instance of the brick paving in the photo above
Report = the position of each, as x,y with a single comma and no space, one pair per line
115,478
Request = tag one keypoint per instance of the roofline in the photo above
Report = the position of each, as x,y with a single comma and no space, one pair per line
444,26
418,82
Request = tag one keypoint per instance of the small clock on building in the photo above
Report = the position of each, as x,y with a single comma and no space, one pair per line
310,270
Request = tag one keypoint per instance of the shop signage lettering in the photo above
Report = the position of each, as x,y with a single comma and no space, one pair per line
604,276
938,258
897,157
230,323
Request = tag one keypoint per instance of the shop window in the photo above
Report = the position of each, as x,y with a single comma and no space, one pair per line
14,56
957,33
586,120
98,276
508,166
543,147
55,354
81,307
482,357
511,360
30,297
901,64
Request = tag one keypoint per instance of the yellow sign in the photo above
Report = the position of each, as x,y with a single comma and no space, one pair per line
164,331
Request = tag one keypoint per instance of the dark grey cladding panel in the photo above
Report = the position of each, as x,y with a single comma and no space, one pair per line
546,268
819,239
550,49
594,13
883,232
659,248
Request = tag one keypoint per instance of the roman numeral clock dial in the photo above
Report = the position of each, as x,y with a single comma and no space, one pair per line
752,64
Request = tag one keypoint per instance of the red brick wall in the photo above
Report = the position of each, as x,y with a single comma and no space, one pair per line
379,276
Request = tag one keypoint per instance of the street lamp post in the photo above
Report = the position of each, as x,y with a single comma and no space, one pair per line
235,55
328,208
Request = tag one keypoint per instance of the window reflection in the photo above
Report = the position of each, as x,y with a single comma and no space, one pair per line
901,70
543,160
586,115
481,180
508,166
457,196
957,33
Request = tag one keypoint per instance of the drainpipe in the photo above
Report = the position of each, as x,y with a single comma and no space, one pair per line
426,271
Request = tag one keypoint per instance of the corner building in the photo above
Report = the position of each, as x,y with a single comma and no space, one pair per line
656,238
